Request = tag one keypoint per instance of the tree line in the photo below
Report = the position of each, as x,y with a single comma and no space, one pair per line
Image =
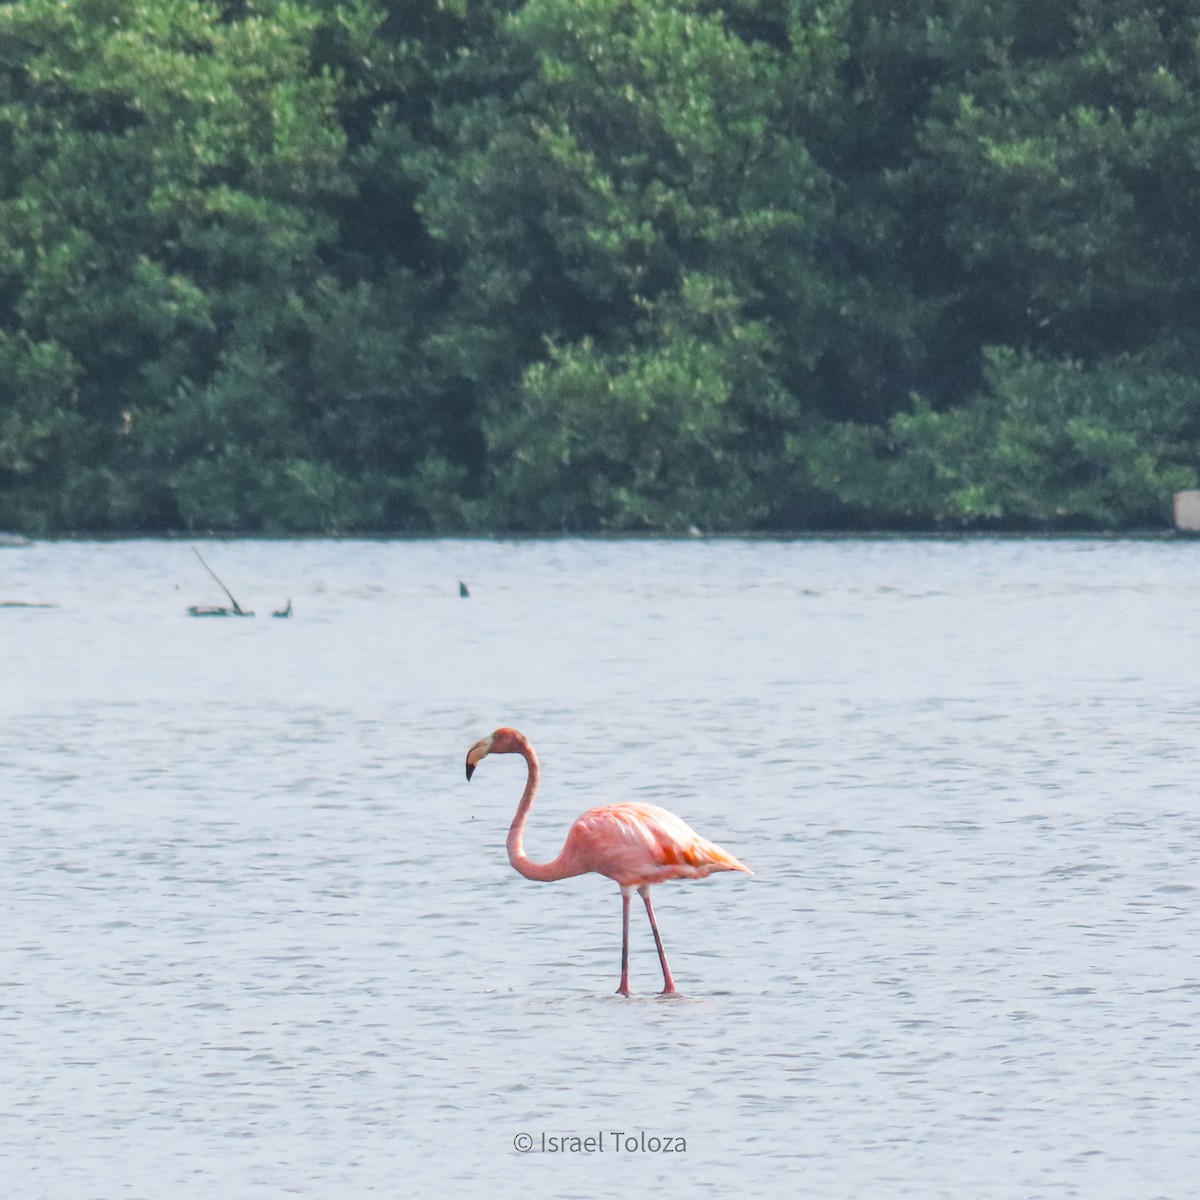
580,265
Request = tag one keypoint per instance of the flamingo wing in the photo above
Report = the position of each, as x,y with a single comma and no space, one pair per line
637,844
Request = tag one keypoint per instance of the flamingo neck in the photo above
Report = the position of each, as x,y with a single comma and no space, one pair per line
543,872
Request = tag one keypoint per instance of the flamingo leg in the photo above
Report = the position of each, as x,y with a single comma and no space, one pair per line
626,896
668,982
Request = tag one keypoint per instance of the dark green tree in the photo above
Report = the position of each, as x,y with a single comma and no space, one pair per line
596,264
640,234
160,224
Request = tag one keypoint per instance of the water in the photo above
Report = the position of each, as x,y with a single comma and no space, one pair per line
261,938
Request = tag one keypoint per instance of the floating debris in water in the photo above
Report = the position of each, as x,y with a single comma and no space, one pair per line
462,590
216,610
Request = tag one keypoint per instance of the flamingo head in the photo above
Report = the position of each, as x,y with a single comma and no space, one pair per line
503,741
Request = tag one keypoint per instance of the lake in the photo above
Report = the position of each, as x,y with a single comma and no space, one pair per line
261,937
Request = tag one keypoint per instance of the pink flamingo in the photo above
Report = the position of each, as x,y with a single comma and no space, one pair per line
636,845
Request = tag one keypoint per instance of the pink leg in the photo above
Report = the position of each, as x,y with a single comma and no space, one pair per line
626,896
668,982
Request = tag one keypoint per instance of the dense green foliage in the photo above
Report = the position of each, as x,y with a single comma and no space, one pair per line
575,265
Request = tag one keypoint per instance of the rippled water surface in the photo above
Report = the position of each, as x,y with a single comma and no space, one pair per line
261,938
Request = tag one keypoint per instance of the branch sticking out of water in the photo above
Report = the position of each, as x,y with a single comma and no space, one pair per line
198,610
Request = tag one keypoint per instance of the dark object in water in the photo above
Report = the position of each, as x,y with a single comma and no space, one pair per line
462,589
214,610
24,604
284,612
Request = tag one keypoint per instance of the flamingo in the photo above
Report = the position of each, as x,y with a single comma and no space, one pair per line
636,845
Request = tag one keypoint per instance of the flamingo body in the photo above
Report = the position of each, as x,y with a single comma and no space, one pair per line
640,844
635,845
